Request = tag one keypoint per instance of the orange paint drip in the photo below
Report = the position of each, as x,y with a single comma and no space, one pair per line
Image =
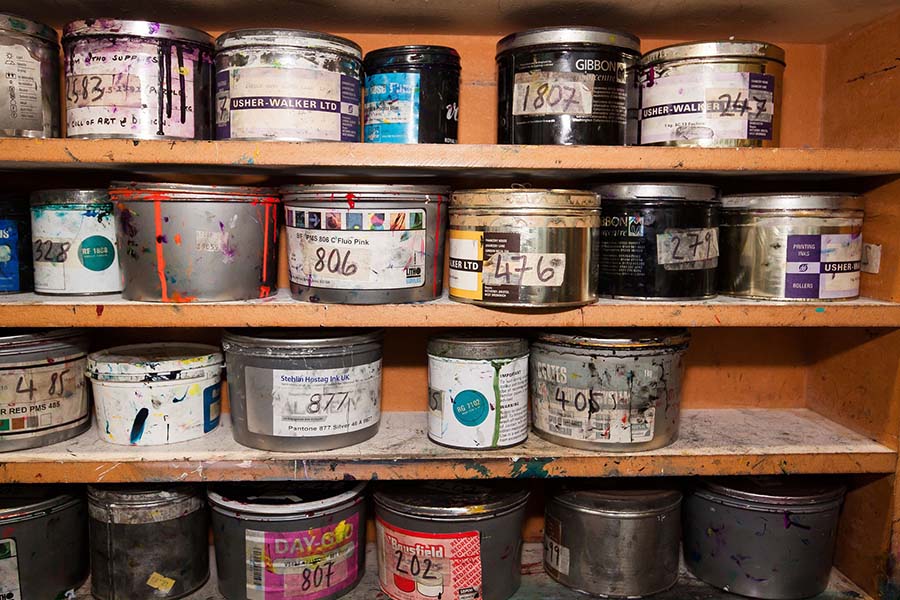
177,297
178,239
266,245
160,259
264,291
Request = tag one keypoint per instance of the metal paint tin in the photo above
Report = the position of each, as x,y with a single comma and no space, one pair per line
29,72
137,79
297,540
763,537
153,394
299,390
16,271
43,397
74,243
412,95
185,243
147,542
723,93
287,84
616,390
366,244
658,240
524,247
791,246
43,542
477,390
449,540
568,85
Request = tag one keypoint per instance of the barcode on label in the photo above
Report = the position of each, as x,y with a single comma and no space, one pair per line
256,565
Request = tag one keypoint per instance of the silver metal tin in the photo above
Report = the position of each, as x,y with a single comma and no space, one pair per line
185,243
30,72
44,535
299,390
791,246
470,534
146,542
569,35
287,84
617,390
524,247
43,396
767,522
713,94
366,244
477,390
613,543
273,536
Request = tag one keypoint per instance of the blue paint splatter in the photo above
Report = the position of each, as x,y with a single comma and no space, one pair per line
177,400
137,429
107,428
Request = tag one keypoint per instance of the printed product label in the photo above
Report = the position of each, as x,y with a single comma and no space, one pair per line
478,403
21,106
130,88
428,566
556,556
392,108
74,250
357,249
707,105
9,255
9,571
622,245
310,564
39,398
688,249
489,266
318,402
212,406
287,103
823,266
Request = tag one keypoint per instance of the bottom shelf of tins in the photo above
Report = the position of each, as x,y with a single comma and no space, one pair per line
537,585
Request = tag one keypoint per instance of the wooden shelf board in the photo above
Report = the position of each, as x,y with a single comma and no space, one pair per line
712,441
31,310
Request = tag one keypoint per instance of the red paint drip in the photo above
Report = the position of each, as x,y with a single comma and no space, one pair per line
437,242
160,258
177,297
99,310
265,264
264,291
351,201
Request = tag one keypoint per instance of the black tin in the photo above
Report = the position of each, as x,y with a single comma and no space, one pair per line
412,95
568,85
16,270
658,241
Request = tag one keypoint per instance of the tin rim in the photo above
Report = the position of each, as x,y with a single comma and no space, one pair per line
462,501
10,23
298,508
569,35
155,359
309,338
758,491
34,503
291,38
70,196
139,495
142,29
474,346
686,192
19,341
512,198
620,503
619,338
369,191
121,191
714,49
798,201
413,55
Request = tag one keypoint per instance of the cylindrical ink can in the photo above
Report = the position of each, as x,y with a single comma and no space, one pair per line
287,84
617,390
137,79
74,241
449,540
366,244
43,396
16,270
30,75
805,246
613,543
524,247
477,390
762,537
289,540
568,85
712,94
43,542
147,542
299,390
658,241
154,394
412,95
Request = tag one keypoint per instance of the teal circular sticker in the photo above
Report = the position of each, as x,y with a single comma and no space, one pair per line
96,253
470,407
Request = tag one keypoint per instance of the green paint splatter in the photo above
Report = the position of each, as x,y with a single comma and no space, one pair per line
17,24
820,309
497,364
477,467
531,468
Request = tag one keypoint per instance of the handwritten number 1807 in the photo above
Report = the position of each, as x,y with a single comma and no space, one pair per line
551,95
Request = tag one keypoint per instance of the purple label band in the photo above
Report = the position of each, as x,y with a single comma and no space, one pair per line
277,102
761,82
797,285
804,248
677,108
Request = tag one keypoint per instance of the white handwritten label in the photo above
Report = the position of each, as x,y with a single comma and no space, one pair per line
687,246
556,556
553,93
525,269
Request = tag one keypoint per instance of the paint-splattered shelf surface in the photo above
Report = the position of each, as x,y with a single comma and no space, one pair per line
537,585
30,310
712,442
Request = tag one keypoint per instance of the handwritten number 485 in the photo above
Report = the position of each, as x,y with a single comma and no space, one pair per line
57,385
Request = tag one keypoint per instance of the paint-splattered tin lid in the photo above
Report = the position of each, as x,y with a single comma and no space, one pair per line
411,56
621,503
28,501
451,499
619,338
121,191
796,201
521,197
17,24
47,197
275,341
687,192
729,49
476,346
284,499
772,491
569,35
365,192
144,29
163,361
290,38
14,342
136,504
